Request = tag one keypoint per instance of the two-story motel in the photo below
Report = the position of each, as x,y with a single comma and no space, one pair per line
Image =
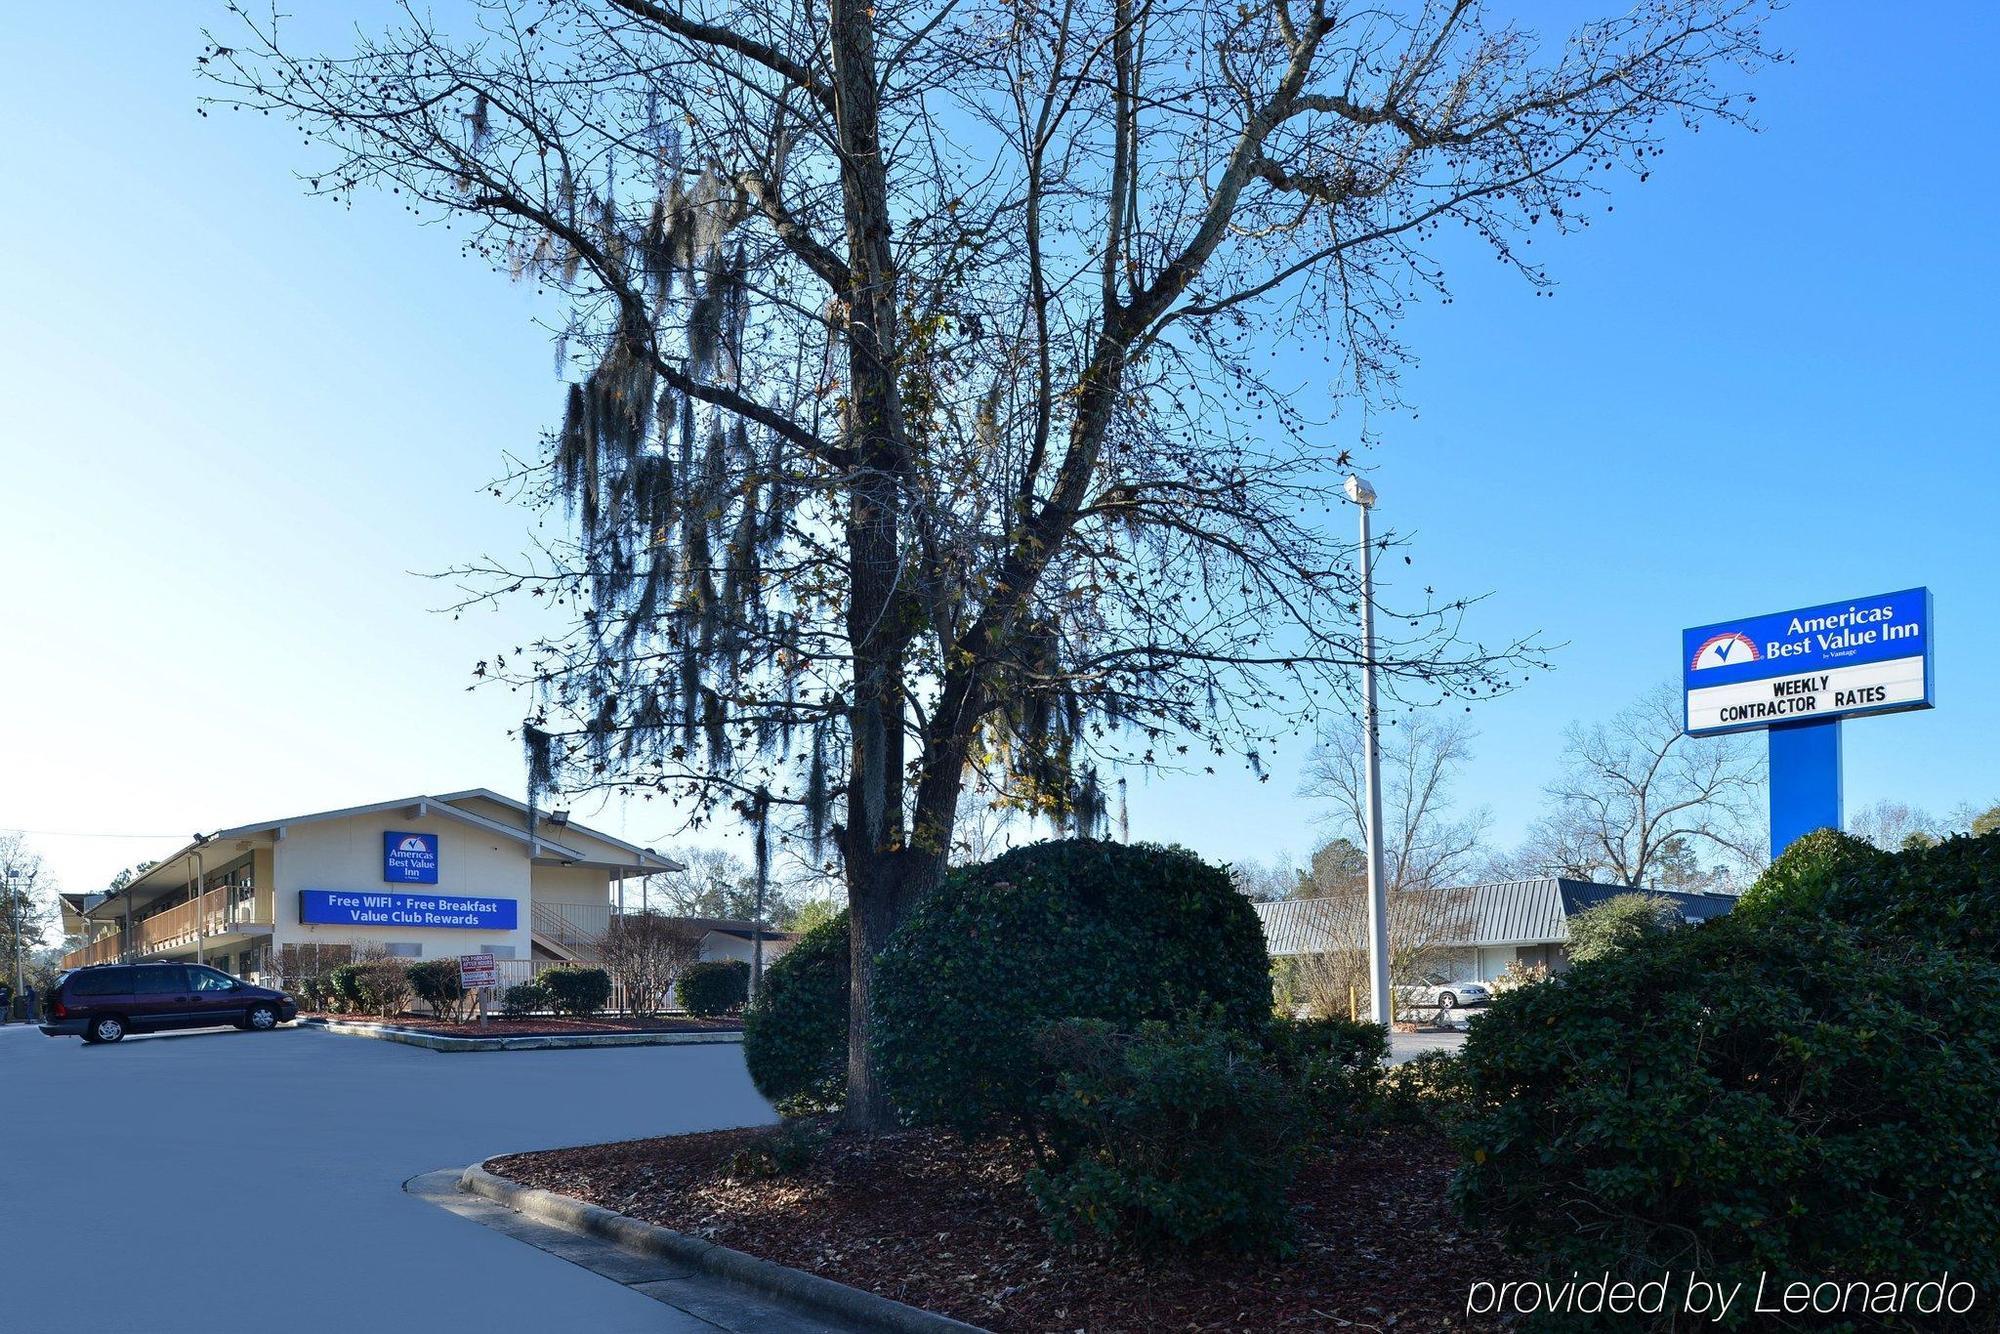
420,877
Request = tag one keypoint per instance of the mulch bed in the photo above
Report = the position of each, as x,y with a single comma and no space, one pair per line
922,1218
541,1026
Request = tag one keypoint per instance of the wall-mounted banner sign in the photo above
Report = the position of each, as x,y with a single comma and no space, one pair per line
409,859
1870,655
344,907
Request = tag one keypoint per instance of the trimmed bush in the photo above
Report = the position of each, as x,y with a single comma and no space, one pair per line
1336,1065
382,986
1618,923
1803,877
716,986
1074,929
1429,1089
1946,896
1744,1097
436,984
344,985
523,999
795,1034
574,989
1178,1135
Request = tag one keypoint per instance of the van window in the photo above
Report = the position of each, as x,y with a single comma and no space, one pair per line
101,982
207,979
158,981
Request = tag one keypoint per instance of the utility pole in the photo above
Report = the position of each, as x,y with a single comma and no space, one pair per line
1381,1010
13,881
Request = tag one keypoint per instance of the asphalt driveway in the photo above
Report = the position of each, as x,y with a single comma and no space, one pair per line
221,1180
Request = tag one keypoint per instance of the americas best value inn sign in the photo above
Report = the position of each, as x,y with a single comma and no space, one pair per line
1872,655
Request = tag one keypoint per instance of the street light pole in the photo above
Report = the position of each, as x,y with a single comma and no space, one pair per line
1380,1009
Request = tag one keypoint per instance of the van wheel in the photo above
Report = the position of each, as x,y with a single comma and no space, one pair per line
106,1028
262,1019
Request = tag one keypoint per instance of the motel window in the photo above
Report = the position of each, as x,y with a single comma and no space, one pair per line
403,949
498,951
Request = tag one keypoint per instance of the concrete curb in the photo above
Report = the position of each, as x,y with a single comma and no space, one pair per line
438,1042
792,1285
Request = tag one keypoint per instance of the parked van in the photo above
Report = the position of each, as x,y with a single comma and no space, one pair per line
104,1002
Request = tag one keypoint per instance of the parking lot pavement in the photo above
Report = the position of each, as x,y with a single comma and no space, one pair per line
221,1180
1408,1046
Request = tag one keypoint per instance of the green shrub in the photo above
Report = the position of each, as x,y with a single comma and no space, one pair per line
795,1034
574,989
1619,922
1073,929
716,986
382,986
1945,896
344,983
785,1151
1336,1066
436,983
1427,1090
1803,877
523,999
1178,1135
1747,1097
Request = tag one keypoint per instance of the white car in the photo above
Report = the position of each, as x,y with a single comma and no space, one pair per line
1442,994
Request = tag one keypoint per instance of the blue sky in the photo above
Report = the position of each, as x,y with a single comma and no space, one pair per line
239,419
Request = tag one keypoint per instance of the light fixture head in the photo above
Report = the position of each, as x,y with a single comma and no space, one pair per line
1359,491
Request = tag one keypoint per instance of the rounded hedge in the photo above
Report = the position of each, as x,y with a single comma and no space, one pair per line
575,989
1077,929
795,1033
1744,1097
1803,876
713,987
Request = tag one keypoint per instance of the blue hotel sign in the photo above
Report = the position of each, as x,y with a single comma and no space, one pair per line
341,907
1816,664
409,859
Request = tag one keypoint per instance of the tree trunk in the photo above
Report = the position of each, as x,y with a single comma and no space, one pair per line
880,892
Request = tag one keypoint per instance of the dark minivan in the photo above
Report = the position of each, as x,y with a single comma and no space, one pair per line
104,1002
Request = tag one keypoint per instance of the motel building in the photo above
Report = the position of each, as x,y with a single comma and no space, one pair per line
424,877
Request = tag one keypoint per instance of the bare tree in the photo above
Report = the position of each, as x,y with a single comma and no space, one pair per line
1895,826
646,953
1425,842
1638,797
1266,881
1429,927
918,412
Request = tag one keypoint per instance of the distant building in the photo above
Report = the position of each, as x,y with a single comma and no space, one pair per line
1508,921
420,877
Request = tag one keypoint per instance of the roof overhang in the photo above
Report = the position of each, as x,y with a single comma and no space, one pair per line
644,859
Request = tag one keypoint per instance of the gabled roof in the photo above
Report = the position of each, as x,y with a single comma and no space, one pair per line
648,859
426,805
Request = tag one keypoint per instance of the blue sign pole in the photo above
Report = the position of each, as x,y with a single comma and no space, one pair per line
1805,781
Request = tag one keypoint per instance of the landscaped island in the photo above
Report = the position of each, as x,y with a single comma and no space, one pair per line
1107,1127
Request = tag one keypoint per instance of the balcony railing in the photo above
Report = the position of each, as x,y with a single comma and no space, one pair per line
216,913
102,950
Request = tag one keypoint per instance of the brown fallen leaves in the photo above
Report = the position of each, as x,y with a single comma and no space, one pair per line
925,1219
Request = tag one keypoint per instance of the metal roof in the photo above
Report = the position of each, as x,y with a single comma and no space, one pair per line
1503,912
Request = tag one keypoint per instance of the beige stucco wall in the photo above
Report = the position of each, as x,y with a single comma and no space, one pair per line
572,884
346,855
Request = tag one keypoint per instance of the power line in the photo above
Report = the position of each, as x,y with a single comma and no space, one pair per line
76,833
